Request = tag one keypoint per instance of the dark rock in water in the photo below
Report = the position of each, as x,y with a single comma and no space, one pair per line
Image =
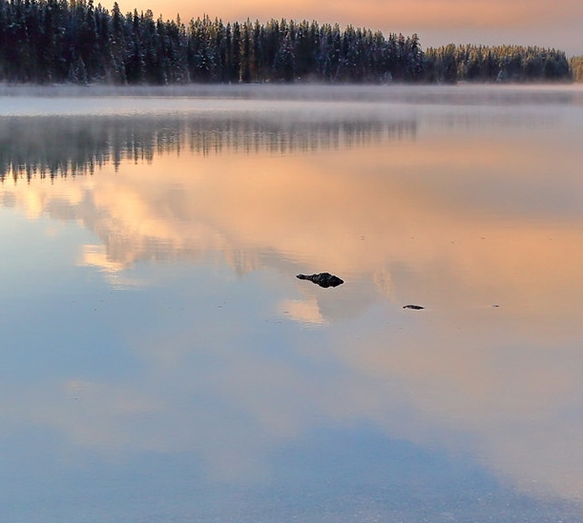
414,307
324,279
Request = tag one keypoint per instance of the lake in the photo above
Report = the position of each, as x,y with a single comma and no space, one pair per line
161,362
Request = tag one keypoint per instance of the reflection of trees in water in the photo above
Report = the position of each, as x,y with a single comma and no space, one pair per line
69,146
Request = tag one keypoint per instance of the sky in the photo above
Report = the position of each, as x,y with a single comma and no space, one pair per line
547,23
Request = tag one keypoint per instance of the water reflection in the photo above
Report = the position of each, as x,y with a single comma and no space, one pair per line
456,218
54,146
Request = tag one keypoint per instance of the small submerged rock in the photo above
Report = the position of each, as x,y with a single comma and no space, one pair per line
414,307
324,279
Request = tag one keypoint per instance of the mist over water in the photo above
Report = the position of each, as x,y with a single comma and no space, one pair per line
161,361
173,97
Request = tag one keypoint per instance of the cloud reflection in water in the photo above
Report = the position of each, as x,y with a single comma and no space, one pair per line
457,218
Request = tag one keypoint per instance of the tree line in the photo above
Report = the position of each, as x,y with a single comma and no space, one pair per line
504,63
59,41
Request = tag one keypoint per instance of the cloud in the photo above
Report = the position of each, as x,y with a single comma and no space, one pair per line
415,13
540,22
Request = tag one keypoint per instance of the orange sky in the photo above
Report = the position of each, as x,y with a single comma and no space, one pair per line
547,23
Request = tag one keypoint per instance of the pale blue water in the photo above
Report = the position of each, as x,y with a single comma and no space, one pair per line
160,361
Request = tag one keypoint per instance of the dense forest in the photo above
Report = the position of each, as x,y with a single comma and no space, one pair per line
513,63
58,41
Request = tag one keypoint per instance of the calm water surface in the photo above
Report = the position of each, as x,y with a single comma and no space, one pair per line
160,362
